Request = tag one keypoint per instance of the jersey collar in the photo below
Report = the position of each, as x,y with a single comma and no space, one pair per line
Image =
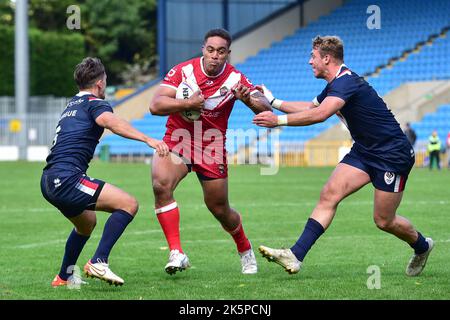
82,93
340,69
204,72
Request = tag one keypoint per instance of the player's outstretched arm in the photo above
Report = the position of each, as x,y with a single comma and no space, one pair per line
123,128
328,107
255,100
285,106
165,103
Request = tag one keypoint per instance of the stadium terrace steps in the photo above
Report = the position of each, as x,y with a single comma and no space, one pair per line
417,27
439,121
409,102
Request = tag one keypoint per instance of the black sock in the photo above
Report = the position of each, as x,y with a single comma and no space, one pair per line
313,230
74,246
421,245
114,228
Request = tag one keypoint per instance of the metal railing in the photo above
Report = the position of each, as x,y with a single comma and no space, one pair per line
41,119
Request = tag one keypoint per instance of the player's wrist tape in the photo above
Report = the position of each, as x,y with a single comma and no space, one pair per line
276,103
282,120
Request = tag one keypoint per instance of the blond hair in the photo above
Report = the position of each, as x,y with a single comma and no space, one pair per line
331,45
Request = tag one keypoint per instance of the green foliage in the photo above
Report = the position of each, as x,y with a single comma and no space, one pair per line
6,13
7,61
53,60
53,57
121,33
50,15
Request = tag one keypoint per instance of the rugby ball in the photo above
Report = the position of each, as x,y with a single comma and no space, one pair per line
185,91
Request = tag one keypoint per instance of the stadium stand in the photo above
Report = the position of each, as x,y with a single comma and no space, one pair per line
439,121
411,45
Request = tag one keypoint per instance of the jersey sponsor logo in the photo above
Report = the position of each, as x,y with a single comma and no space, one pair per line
57,183
222,95
389,177
218,99
72,103
211,114
171,72
223,91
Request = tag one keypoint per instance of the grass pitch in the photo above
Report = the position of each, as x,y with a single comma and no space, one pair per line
274,210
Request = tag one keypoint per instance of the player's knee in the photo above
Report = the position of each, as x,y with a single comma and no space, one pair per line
330,195
218,208
383,223
132,206
86,229
161,188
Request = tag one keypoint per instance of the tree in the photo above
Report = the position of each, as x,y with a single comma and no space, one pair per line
121,33
6,13
50,15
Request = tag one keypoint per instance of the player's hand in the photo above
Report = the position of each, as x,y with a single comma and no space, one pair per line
242,93
196,102
160,146
266,119
267,93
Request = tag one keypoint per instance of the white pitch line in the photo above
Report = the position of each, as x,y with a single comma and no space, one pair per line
95,237
40,244
249,204
278,239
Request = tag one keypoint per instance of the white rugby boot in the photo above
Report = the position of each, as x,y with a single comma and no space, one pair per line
248,262
177,262
283,257
418,261
101,270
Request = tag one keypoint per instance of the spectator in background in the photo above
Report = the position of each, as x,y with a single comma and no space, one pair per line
410,134
434,148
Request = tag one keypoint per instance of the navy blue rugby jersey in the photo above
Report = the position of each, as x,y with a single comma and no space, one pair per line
77,133
377,135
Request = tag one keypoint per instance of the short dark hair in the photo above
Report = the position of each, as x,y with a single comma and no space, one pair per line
224,34
89,71
331,45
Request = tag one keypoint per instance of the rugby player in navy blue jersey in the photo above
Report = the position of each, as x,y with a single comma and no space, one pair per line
381,154
66,186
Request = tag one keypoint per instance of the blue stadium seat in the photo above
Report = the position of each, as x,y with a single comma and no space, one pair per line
439,120
284,66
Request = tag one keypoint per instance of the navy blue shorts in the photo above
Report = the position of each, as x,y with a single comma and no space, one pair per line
70,192
388,181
